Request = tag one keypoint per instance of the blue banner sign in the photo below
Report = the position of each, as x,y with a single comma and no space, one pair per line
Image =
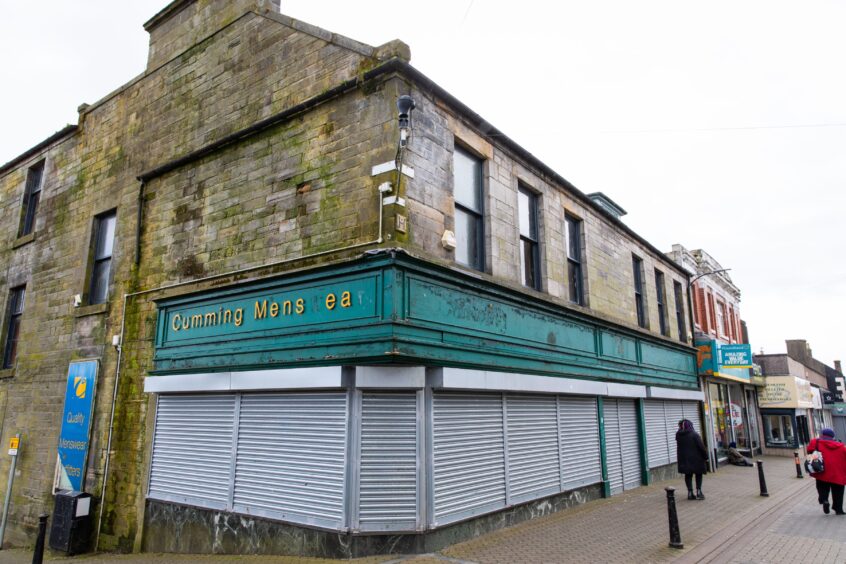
735,356
723,360
76,424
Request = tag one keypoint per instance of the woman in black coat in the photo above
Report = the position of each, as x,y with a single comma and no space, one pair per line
692,457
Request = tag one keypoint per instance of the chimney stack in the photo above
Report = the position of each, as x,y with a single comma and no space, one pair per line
837,366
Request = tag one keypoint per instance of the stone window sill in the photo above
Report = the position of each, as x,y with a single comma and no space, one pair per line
21,241
7,373
96,309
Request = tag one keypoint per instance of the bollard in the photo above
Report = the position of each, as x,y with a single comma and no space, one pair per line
38,555
761,479
798,465
675,534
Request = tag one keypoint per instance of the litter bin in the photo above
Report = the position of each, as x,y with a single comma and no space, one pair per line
71,529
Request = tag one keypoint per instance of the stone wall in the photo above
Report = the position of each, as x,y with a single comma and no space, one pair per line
607,247
290,190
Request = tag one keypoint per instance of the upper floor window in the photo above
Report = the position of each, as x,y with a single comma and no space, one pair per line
640,305
573,233
469,210
13,325
679,295
662,308
32,195
722,319
529,253
713,327
102,243
735,336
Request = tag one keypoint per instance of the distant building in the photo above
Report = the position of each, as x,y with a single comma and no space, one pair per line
792,406
724,357
312,327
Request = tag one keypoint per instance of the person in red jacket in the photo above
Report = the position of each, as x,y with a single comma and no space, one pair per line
833,476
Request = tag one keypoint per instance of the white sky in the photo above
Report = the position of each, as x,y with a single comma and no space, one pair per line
718,125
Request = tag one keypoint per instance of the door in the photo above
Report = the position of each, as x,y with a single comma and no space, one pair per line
622,444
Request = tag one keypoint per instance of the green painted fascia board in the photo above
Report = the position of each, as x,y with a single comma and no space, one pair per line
479,325
603,451
641,435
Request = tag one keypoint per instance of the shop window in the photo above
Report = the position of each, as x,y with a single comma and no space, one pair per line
573,233
32,196
102,244
779,431
529,253
679,296
662,307
469,210
13,325
640,305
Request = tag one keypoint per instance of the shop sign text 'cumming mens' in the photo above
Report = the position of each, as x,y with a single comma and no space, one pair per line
227,315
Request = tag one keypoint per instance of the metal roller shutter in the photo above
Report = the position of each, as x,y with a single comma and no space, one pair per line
579,439
673,409
613,455
291,457
691,411
658,448
533,469
192,449
469,455
629,443
388,472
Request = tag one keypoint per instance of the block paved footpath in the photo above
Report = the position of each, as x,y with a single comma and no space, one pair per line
734,524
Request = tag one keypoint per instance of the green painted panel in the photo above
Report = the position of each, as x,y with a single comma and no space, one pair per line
662,357
447,305
618,346
400,309
296,307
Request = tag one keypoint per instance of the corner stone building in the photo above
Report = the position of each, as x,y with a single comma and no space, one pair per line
298,348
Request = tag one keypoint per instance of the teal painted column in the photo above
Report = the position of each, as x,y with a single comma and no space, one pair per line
645,478
603,455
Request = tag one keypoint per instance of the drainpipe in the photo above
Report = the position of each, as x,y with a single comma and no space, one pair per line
126,297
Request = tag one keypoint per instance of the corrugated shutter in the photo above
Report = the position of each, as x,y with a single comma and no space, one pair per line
629,443
691,411
388,473
533,469
291,457
613,455
192,449
469,455
657,444
579,429
673,409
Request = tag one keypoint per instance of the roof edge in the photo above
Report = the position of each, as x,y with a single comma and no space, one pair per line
496,136
64,132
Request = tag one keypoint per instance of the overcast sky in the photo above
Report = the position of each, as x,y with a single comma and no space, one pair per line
719,125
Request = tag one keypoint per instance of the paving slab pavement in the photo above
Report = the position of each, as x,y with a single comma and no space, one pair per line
633,527
733,524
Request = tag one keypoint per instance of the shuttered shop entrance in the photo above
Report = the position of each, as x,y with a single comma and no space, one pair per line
388,463
290,460
622,444
281,456
495,450
658,439
192,449
469,455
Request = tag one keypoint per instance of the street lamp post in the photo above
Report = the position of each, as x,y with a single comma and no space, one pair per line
708,422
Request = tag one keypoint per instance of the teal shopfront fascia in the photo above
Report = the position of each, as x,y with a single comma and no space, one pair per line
391,395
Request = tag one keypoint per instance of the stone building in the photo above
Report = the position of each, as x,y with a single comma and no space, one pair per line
724,356
303,325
